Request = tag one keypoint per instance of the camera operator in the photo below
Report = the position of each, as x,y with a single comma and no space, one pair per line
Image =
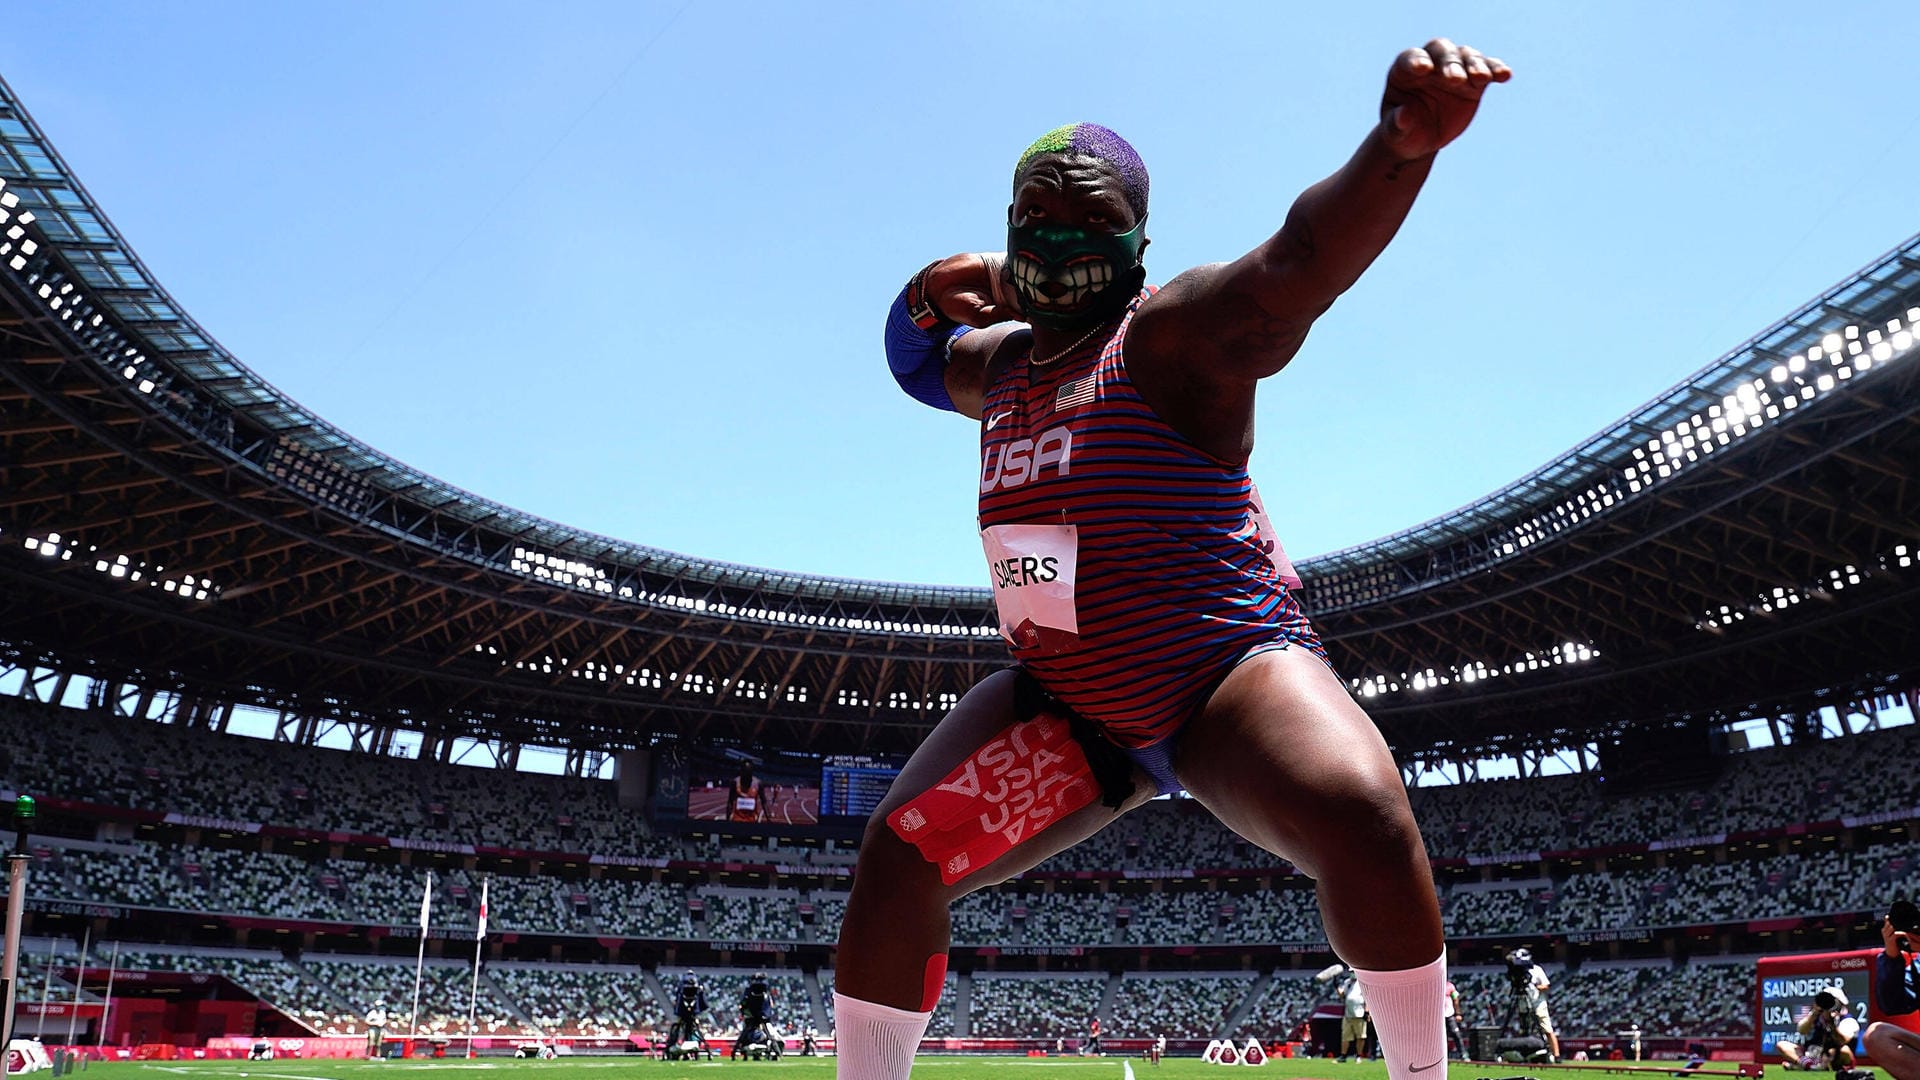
1897,989
756,1011
1530,985
1825,1034
688,1004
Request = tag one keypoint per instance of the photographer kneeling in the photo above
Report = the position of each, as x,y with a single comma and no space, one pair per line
1825,1034
1897,987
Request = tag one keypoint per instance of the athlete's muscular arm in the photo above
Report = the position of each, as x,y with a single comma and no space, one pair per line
973,356
1241,321
971,289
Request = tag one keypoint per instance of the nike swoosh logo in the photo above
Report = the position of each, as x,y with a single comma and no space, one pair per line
994,420
1424,1068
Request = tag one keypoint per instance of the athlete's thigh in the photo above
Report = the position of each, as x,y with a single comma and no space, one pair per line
1892,1047
1280,752
983,769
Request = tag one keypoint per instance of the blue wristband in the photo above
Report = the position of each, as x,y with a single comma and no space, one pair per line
918,358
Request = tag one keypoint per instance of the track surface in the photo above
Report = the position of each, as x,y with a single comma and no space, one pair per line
792,805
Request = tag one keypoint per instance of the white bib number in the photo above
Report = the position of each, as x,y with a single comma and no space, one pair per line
1032,568
1269,540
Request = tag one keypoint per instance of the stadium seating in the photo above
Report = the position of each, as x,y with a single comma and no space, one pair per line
1280,1008
273,979
582,1000
1020,1006
91,756
1517,886
445,987
1177,1006
210,879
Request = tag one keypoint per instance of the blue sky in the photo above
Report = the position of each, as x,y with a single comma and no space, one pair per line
625,265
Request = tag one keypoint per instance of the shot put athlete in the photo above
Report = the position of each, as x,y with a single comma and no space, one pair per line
1140,589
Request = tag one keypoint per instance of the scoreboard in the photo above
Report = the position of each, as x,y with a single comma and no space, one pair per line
853,785
1785,989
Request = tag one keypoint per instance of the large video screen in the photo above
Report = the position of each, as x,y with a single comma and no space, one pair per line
1787,986
753,788
853,785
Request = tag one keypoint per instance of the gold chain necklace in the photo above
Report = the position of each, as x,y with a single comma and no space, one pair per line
1084,338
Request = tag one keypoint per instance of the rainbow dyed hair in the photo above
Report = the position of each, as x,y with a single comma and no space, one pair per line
1092,140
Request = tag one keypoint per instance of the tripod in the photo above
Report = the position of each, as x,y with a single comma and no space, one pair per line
1523,1028
686,1028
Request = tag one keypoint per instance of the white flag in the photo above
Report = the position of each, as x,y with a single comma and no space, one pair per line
483,908
426,904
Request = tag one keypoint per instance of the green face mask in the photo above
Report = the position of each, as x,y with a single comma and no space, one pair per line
1069,278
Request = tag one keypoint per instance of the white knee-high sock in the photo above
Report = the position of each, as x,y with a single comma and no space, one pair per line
876,1042
1406,1007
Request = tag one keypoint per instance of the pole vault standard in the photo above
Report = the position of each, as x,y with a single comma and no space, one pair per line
106,1010
79,981
479,940
420,962
17,861
46,989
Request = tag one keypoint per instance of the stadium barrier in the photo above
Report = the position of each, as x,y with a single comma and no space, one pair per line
312,1046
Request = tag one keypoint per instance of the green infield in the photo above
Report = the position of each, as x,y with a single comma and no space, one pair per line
791,1068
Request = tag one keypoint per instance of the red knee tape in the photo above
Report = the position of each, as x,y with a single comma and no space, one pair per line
932,980
1010,789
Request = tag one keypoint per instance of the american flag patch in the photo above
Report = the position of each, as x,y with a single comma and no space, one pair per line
1077,392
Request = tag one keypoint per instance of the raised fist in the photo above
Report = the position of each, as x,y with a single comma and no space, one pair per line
1432,94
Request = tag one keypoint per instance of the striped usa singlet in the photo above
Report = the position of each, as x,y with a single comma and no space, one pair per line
1174,581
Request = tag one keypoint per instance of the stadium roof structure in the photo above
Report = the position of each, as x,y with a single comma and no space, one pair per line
1743,544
